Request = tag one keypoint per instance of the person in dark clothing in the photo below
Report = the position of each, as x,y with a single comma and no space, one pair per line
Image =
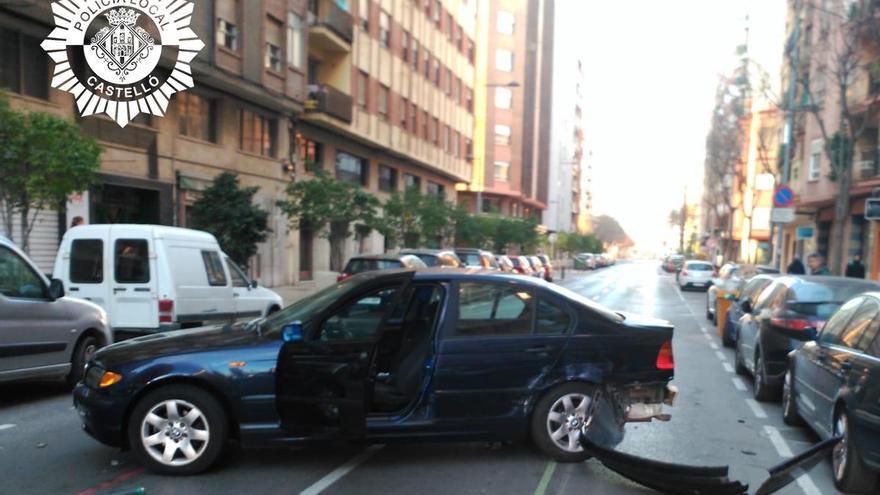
816,262
855,268
796,267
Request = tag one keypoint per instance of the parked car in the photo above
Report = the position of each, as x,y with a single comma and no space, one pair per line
548,267
336,366
505,264
725,281
372,262
477,258
673,263
151,278
585,261
831,385
43,334
521,265
787,313
750,292
435,257
537,266
695,273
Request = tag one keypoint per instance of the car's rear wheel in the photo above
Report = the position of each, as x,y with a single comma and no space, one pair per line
762,391
789,407
177,429
850,473
85,349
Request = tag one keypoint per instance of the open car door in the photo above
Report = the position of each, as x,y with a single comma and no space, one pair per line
323,375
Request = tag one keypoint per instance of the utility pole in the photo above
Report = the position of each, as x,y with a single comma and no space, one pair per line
790,95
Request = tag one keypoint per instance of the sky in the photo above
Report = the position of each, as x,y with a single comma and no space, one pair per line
651,70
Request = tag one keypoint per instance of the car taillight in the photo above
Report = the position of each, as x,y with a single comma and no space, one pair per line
792,323
665,360
342,277
684,273
166,311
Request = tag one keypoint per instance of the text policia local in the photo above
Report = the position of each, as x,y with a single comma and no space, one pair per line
95,7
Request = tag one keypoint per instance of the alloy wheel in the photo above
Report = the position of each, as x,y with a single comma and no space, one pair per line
786,394
841,451
566,421
175,432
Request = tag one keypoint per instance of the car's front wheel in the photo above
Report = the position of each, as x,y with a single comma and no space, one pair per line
177,429
790,413
85,349
850,473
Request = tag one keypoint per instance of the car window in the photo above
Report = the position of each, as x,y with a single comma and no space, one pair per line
307,307
17,278
552,319
868,337
448,260
831,332
238,278
700,267
360,319
874,347
87,261
360,265
429,259
470,259
132,261
214,269
493,309
770,294
862,318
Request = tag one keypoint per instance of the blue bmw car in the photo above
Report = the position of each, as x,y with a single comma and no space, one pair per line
750,293
390,355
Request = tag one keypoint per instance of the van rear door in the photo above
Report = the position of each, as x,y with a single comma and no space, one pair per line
132,281
85,266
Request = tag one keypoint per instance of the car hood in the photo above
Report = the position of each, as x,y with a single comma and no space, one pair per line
196,340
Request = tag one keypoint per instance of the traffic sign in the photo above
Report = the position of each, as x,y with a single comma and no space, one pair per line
783,196
782,215
804,233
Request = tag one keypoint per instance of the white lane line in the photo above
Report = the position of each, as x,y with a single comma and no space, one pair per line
739,384
759,412
721,357
703,329
807,485
7,426
708,337
804,480
727,367
337,474
713,345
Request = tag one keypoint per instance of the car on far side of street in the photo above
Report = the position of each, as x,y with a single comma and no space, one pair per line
788,313
477,258
695,274
373,262
537,266
673,263
43,334
831,385
752,290
585,261
522,266
505,264
436,257
548,267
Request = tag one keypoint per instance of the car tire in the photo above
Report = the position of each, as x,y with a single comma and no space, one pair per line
762,391
849,470
726,339
195,443
738,364
85,349
790,413
602,430
272,310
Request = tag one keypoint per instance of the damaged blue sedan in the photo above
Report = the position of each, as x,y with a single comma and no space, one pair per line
384,356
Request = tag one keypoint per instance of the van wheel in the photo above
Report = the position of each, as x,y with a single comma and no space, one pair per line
850,473
86,347
178,430
273,309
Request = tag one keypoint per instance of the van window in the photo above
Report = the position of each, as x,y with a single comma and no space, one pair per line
214,268
238,279
87,261
132,261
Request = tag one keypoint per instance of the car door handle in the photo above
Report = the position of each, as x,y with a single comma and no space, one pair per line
540,348
74,289
119,289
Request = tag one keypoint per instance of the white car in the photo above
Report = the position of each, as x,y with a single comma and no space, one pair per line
695,274
151,278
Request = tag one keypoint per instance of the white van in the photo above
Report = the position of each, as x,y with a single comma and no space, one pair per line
151,278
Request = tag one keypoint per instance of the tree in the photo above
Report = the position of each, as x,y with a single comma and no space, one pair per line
44,159
608,230
414,219
332,208
228,211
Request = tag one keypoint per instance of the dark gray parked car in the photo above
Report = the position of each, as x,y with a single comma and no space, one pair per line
42,333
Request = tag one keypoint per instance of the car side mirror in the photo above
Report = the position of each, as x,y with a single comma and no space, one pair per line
253,284
746,306
292,332
56,289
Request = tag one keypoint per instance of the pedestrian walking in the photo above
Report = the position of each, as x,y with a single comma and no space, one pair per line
855,268
796,267
816,262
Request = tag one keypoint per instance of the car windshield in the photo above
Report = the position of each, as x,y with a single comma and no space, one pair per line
360,265
429,259
700,267
470,259
306,307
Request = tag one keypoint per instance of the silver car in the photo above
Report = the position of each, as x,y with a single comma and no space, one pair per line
42,333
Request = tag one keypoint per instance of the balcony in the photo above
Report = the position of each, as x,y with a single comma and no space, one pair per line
330,101
331,29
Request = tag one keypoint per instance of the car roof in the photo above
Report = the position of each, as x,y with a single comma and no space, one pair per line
157,231
385,257
702,262
791,280
448,273
470,250
434,252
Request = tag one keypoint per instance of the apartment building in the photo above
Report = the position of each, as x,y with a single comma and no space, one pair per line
390,102
250,83
514,71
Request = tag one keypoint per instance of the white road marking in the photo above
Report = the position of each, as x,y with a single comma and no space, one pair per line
720,355
708,337
807,485
739,384
703,329
7,426
727,367
759,412
337,474
713,345
804,480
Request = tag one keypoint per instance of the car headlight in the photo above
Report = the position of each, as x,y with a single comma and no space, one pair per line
98,377
109,378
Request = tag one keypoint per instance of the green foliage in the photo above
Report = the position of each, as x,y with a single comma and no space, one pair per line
228,211
574,243
413,219
496,232
840,152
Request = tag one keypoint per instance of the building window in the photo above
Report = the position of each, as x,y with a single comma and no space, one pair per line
257,133
383,101
505,22
504,60
404,46
385,29
227,24
425,125
503,98
295,46
448,82
362,90
350,168
468,150
450,25
411,181
435,72
197,116
310,152
502,171
447,139
456,90
435,12
456,145
415,54
470,50
502,134
274,36
469,99
815,160
435,189
435,133
401,113
457,37
364,14
413,115
387,178
24,66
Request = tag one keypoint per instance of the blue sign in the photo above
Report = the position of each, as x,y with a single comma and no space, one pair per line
783,197
804,233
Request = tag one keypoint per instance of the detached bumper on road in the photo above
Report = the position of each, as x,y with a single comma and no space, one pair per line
101,416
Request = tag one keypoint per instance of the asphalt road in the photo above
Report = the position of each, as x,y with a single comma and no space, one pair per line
44,451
